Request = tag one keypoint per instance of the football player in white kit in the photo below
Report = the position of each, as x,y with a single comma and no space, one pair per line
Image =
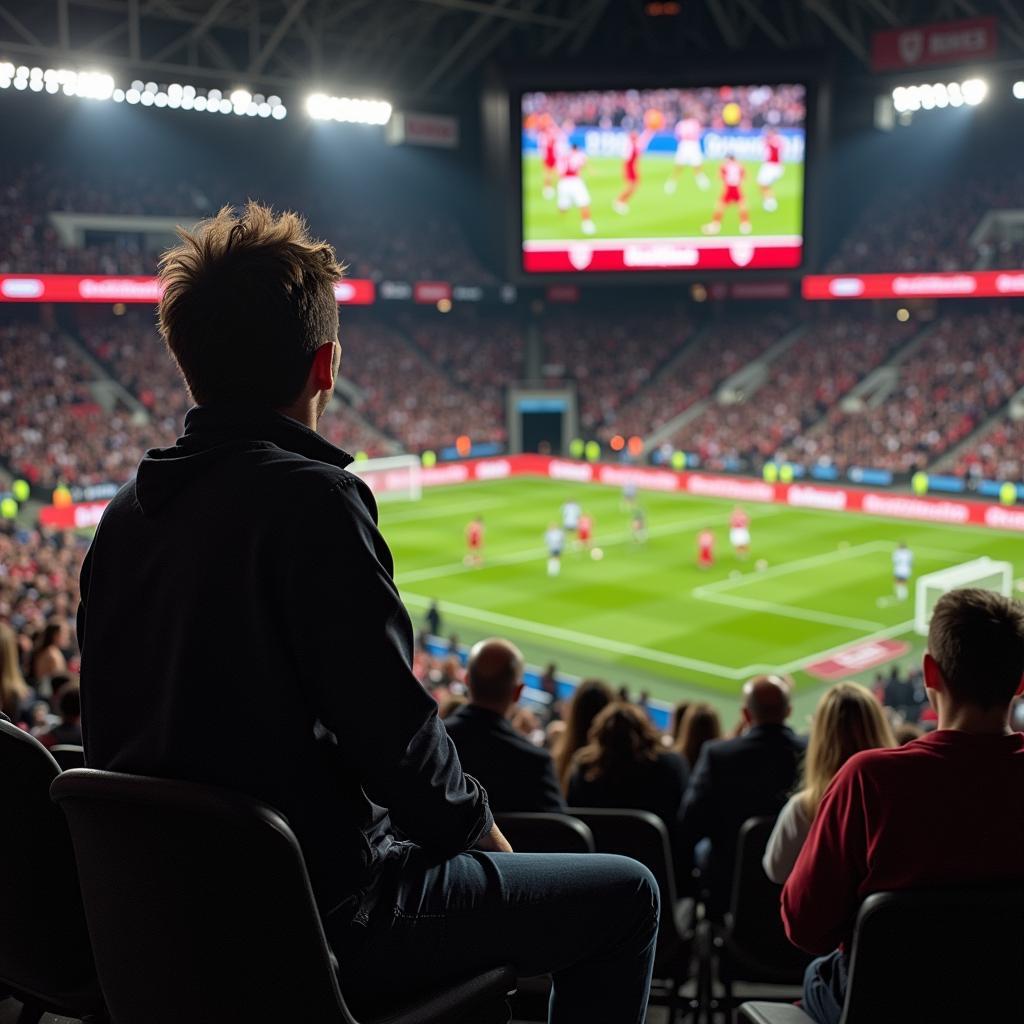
902,569
571,513
572,189
688,153
554,539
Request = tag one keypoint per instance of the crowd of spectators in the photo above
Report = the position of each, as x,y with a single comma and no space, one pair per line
917,225
611,358
715,354
997,455
804,383
966,368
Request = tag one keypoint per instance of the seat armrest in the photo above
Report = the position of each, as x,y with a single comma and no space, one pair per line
772,1013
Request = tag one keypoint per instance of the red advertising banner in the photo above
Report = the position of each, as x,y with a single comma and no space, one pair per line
825,497
429,292
946,42
101,288
967,284
663,254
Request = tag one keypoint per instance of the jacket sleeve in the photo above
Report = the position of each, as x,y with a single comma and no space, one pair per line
352,640
785,842
821,896
694,816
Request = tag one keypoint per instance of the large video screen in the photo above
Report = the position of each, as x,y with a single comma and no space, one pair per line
663,179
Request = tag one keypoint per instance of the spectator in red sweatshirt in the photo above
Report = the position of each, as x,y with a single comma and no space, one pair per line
944,810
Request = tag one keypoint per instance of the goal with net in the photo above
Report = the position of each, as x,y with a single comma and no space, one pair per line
982,572
396,477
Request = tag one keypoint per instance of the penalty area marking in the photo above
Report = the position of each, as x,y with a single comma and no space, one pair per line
649,654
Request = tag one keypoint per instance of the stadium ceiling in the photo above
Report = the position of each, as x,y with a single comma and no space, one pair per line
427,49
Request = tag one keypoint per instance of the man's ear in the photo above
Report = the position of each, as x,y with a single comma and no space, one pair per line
932,673
321,373
519,692
745,714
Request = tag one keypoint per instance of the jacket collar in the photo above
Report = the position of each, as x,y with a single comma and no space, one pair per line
243,422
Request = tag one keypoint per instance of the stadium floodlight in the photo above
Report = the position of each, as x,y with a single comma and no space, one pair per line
974,91
1018,90
347,110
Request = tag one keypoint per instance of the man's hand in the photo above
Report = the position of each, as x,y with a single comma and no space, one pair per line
494,842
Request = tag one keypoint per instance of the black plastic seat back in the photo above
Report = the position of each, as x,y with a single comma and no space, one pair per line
546,833
755,946
44,944
940,955
198,904
67,755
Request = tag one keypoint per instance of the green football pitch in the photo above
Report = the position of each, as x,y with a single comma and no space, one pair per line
644,614
652,213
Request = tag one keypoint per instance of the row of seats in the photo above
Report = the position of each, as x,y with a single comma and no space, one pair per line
175,920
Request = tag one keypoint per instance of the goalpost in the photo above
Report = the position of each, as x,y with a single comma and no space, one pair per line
396,477
982,572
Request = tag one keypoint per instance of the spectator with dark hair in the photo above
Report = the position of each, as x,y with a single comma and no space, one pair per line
675,728
736,779
945,810
47,657
699,724
69,729
848,719
251,527
590,698
625,765
517,775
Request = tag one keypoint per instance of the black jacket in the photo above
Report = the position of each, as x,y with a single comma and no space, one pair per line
517,775
238,602
733,780
656,786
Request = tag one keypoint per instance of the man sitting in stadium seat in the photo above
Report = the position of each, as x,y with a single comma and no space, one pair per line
736,779
517,775
241,578
944,810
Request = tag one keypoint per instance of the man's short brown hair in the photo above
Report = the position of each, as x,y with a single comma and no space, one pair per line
247,301
977,639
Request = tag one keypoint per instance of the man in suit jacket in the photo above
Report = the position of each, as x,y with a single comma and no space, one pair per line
736,779
517,775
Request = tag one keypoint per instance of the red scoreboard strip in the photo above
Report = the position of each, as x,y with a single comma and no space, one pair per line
99,288
967,284
641,254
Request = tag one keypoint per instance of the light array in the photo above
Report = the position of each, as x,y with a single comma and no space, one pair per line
352,111
187,97
90,85
1018,90
910,99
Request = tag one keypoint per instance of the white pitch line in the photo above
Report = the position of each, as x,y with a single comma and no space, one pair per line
572,636
786,611
882,634
795,566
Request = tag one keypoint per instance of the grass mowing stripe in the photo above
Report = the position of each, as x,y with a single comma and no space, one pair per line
785,611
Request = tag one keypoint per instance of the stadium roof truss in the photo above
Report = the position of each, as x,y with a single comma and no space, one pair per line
427,48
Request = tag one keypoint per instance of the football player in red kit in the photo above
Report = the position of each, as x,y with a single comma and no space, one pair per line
549,141
732,173
585,531
705,549
475,542
636,143
770,170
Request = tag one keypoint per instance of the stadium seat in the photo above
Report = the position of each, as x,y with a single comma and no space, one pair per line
643,836
750,945
941,955
200,908
68,755
45,959
545,833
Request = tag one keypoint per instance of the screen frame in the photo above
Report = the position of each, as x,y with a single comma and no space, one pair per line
503,134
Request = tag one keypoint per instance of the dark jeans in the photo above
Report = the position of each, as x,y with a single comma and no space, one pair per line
590,921
825,988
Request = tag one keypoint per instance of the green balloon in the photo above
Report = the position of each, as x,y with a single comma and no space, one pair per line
1008,493
919,483
429,458
679,460
770,472
577,447
593,451
21,490
8,508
